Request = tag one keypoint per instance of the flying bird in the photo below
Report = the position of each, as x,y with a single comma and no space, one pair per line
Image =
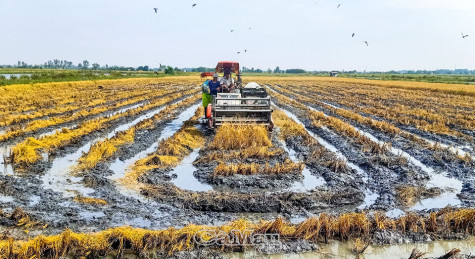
232,30
338,6
156,10
366,43
193,5
239,52
353,35
464,36
245,50
249,28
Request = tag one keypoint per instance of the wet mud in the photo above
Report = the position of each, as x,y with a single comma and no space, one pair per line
190,193
434,163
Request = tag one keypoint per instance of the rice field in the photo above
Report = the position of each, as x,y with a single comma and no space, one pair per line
128,167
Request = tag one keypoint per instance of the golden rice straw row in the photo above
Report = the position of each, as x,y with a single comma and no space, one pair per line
426,119
319,118
39,124
27,152
103,150
320,228
287,167
170,151
382,126
50,105
233,137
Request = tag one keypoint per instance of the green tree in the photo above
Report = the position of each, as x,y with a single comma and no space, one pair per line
95,66
169,70
143,68
85,64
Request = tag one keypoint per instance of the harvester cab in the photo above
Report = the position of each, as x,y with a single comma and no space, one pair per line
249,104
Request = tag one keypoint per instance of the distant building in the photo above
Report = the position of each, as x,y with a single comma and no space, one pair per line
334,73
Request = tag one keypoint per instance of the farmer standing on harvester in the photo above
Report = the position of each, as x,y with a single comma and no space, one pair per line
209,88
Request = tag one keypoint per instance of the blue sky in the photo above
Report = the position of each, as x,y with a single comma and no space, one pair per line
402,34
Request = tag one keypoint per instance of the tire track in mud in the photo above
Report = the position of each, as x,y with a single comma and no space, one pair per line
446,140
142,93
310,181
377,103
120,167
70,124
379,178
235,201
370,196
59,176
89,213
451,186
420,159
6,147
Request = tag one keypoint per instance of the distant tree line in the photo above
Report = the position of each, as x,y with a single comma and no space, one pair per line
86,65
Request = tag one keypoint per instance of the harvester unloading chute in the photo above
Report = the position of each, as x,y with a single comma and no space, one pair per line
246,105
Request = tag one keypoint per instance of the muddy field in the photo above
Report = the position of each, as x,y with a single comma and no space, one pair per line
394,160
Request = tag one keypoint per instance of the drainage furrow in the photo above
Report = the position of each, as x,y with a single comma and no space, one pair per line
119,167
58,176
370,196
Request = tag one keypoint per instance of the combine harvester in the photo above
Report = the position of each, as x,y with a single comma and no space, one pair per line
245,105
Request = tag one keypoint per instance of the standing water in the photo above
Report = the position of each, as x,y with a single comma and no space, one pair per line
336,249
59,178
309,181
120,167
370,197
185,179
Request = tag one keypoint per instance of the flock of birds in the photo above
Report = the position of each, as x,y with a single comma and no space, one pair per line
338,6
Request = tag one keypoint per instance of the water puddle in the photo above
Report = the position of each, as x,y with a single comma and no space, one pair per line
126,126
89,215
452,186
395,213
309,181
120,128
457,150
58,177
5,167
34,200
120,167
337,249
6,199
8,76
323,142
176,124
453,149
51,132
139,223
370,197
185,179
